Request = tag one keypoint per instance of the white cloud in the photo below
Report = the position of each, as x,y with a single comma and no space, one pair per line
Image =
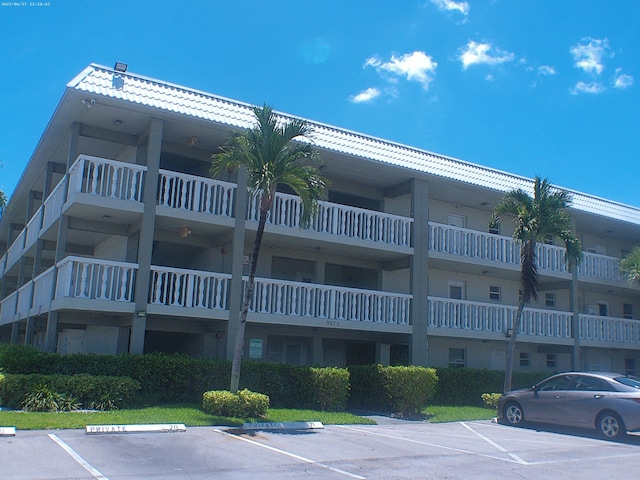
593,88
589,54
483,53
415,66
621,80
365,96
462,7
546,70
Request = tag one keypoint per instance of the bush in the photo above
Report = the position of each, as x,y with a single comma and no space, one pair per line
42,399
331,386
244,404
402,390
490,400
409,388
85,389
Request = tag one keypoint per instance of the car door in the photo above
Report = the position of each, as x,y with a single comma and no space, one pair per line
580,405
545,402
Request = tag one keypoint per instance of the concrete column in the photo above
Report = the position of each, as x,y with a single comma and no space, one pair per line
63,225
237,260
317,354
575,320
383,352
419,271
147,229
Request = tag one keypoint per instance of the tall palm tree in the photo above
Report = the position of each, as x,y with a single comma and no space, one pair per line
535,220
272,157
630,265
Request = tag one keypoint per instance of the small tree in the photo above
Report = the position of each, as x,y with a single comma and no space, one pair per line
630,265
535,219
272,157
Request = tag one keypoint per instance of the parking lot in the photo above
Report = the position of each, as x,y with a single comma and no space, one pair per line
392,450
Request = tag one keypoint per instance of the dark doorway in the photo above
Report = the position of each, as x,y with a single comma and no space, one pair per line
361,353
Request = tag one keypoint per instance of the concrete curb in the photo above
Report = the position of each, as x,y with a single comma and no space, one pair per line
283,426
7,431
153,428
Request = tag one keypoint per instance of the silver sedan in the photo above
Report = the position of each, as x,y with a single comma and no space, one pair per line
608,402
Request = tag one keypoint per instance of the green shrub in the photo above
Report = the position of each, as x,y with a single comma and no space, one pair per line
85,389
409,389
367,388
331,386
41,398
490,400
244,404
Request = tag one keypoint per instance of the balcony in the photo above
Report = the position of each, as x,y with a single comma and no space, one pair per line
339,220
487,320
596,331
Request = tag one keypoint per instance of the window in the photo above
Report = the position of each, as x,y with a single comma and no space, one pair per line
627,311
456,290
630,366
494,292
548,239
551,360
603,309
495,229
555,383
525,359
457,357
550,300
457,220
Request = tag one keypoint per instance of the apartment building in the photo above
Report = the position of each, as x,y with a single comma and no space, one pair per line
117,240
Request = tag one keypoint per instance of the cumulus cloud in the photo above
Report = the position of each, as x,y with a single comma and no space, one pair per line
621,80
593,88
546,70
589,54
462,7
483,53
365,96
415,66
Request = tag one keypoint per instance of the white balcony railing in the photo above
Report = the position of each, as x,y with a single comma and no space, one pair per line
195,194
490,247
106,178
95,279
280,297
337,219
608,329
33,229
188,288
488,317
15,250
43,288
8,309
600,267
53,204
24,299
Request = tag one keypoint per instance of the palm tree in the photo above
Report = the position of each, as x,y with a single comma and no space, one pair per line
3,201
630,265
536,219
271,157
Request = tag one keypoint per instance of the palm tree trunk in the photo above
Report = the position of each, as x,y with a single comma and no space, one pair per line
248,295
511,347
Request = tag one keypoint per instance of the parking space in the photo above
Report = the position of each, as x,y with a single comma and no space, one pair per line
402,450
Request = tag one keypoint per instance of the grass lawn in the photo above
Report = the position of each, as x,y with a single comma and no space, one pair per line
193,416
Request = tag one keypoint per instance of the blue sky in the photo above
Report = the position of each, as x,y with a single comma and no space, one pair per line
532,87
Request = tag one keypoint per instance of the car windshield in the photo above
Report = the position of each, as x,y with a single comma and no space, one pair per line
629,381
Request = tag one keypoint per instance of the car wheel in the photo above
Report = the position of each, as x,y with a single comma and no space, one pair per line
513,413
610,425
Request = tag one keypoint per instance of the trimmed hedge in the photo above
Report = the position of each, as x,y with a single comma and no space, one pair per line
244,404
403,390
176,378
95,392
465,386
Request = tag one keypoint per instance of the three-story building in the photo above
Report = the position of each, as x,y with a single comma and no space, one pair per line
117,240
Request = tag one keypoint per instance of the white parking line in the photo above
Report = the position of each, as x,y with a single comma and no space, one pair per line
435,445
83,463
293,455
491,442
